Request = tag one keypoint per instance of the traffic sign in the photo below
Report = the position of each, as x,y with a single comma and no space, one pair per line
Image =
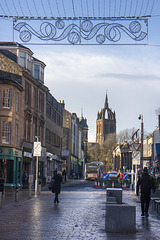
136,158
105,176
125,176
134,146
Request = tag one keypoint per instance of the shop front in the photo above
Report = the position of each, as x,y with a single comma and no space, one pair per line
74,167
27,159
11,166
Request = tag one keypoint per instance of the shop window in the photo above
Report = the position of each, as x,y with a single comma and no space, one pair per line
9,171
7,98
6,132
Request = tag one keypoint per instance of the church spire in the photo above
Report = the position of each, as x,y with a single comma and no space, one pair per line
106,101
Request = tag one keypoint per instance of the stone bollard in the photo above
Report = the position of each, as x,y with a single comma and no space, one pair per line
120,218
115,192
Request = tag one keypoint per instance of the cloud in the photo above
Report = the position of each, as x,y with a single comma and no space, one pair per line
130,77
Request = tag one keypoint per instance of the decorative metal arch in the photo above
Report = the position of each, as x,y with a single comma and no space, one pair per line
84,31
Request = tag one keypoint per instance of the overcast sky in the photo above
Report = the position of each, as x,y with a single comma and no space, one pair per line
81,75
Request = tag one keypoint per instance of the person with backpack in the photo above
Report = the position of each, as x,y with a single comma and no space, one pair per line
146,183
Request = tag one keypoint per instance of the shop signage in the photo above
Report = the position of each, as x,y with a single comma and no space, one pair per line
27,154
10,151
6,151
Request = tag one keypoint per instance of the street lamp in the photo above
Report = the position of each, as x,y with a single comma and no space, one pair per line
140,117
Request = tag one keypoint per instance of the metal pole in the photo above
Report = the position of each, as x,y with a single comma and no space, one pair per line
142,142
36,181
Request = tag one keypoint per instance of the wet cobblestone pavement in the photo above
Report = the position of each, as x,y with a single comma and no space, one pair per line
79,216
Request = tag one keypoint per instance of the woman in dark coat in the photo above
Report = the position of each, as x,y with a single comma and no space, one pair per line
57,185
146,183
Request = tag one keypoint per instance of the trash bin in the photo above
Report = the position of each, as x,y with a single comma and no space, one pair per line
2,185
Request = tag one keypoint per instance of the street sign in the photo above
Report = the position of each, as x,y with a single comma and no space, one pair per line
37,149
136,158
125,176
134,146
105,176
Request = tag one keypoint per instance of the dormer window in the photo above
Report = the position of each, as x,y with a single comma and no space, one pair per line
28,62
36,71
39,72
23,59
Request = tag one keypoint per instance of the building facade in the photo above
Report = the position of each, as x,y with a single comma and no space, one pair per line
54,133
75,136
26,106
122,158
11,120
106,125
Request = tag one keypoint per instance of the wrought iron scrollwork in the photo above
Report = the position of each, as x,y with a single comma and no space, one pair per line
74,34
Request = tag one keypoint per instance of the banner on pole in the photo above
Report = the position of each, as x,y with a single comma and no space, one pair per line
37,149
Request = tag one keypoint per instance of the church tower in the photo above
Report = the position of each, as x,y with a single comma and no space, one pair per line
106,124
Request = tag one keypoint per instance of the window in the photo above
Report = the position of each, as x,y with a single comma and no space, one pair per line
36,71
35,98
41,102
54,115
42,74
7,98
17,101
48,110
16,135
28,62
28,93
23,59
27,130
6,132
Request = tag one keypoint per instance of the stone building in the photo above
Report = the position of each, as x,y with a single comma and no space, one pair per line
122,157
27,106
54,133
74,143
11,120
106,125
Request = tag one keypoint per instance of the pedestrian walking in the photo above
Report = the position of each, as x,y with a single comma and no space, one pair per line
25,179
120,177
146,183
57,185
64,176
